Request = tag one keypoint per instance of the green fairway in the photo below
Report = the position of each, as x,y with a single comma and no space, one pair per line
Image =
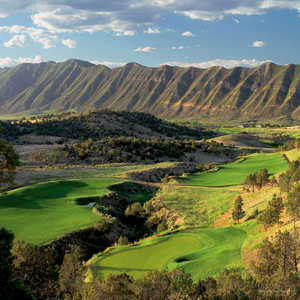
200,206
42,212
236,172
201,252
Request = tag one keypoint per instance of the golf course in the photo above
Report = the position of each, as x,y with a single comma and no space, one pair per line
201,252
201,198
42,212
236,173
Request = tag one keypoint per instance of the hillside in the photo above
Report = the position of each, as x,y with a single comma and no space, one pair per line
95,125
264,92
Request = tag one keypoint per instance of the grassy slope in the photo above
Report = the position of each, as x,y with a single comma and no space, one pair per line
203,252
236,173
198,205
293,154
41,212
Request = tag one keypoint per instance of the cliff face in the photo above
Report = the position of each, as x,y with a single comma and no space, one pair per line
268,91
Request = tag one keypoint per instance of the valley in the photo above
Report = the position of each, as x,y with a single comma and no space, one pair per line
147,203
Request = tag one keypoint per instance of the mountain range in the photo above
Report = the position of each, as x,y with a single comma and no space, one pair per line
266,92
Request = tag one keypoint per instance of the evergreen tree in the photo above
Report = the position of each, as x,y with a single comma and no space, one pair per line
10,288
9,160
238,212
71,274
293,202
271,215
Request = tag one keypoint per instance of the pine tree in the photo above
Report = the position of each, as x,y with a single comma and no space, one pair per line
238,212
9,160
271,215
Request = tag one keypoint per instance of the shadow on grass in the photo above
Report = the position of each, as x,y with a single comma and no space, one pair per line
31,197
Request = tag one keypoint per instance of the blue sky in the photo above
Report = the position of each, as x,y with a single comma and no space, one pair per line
200,33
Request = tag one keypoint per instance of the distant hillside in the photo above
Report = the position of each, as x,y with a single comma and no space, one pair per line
98,125
268,91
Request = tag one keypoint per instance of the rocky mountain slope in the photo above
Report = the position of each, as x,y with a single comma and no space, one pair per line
268,91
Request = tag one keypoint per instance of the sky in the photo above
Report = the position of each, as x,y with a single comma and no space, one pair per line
200,33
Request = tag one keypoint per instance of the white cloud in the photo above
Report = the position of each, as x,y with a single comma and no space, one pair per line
227,63
16,41
36,34
145,49
9,61
202,15
69,43
152,31
35,60
110,64
47,42
258,44
188,34
123,16
125,33
177,48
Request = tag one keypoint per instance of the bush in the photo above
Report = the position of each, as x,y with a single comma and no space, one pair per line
123,240
162,226
134,209
104,223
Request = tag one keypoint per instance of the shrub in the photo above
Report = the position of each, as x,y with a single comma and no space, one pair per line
162,226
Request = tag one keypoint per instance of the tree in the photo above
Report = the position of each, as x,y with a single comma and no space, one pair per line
10,288
9,160
238,213
262,178
251,181
293,202
275,268
36,267
271,215
71,274
134,209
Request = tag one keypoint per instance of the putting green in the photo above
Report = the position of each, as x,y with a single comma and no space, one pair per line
201,252
40,213
236,173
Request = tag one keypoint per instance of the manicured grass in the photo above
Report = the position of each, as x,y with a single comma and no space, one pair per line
201,252
236,173
42,212
292,131
200,206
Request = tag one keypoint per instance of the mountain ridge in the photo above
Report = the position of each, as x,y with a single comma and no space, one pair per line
267,91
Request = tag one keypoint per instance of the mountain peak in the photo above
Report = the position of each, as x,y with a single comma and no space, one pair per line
79,62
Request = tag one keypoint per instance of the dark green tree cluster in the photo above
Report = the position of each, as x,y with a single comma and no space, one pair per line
132,149
271,215
258,179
